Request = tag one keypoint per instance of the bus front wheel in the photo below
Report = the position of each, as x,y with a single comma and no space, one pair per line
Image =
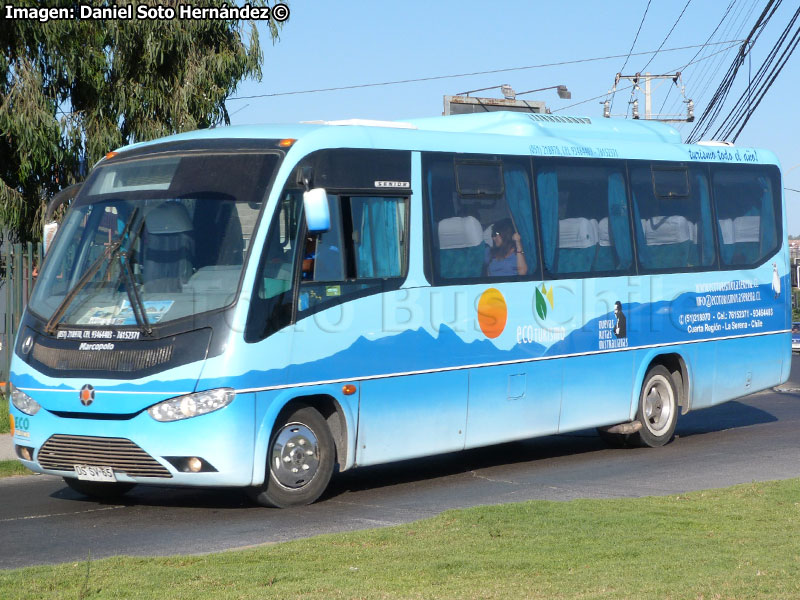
658,408
300,460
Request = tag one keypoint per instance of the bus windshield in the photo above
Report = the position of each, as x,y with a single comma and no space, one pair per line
153,239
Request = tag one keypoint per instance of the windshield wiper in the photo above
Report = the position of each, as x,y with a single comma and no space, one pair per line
126,274
111,249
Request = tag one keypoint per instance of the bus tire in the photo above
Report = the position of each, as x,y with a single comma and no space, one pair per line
99,490
658,408
300,460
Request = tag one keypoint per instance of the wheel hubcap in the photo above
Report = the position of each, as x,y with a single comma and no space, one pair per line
658,405
294,456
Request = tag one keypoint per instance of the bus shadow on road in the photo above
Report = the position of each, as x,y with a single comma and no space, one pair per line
167,497
466,461
730,415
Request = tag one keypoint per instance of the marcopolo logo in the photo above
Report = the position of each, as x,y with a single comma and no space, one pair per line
87,395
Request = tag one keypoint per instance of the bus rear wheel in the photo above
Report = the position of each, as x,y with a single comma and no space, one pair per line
300,460
99,490
658,409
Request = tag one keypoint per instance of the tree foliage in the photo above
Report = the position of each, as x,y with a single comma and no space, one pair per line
72,90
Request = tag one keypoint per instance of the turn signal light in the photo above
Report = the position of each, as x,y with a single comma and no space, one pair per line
349,389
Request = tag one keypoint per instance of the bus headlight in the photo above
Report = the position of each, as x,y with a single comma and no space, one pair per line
191,405
24,402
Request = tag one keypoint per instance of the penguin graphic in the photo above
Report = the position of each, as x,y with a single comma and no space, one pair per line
619,328
776,281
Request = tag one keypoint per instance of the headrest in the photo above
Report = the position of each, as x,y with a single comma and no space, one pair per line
674,229
166,218
603,238
740,229
459,232
577,232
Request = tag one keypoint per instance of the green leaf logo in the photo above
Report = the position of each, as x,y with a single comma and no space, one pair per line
543,296
541,305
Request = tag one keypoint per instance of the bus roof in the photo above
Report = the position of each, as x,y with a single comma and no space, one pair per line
651,138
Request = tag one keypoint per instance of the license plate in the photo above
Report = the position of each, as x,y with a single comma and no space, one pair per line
93,473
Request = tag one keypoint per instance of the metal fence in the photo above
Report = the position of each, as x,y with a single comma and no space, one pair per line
19,264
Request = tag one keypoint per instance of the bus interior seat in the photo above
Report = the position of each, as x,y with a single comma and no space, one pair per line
217,224
577,244
605,259
740,238
669,240
694,245
168,248
487,236
461,248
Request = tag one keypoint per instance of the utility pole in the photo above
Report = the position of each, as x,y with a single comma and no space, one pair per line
647,78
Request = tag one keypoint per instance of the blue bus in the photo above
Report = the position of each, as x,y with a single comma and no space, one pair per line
263,307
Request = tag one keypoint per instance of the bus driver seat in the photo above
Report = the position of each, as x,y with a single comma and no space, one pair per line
168,248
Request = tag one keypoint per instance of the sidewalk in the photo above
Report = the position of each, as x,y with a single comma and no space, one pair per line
6,447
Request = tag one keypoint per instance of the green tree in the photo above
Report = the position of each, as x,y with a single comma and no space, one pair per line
72,90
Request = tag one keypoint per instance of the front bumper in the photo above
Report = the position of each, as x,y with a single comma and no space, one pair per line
223,439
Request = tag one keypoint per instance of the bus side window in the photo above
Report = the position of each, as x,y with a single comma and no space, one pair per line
672,216
271,302
471,198
365,246
746,205
583,209
323,254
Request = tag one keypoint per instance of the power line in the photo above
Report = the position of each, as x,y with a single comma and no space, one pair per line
721,21
636,37
664,103
457,75
750,99
709,70
710,114
688,2
708,39
734,44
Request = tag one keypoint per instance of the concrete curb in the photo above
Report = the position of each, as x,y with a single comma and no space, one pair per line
7,447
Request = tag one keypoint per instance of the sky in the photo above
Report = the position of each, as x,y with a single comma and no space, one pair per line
356,42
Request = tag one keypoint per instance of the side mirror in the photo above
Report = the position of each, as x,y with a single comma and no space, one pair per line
318,215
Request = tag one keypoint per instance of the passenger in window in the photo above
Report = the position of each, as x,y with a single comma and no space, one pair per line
506,256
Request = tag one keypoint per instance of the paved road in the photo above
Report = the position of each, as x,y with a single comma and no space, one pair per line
42,521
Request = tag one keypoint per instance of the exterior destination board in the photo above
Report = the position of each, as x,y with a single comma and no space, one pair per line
264,307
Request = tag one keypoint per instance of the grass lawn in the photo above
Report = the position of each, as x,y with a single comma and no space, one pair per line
12,467
740,542
5,421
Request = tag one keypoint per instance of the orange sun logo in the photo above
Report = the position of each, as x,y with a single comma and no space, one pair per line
492,313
